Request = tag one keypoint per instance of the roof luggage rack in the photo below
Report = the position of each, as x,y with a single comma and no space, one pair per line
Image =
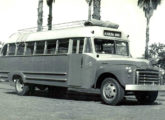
100,23
22,34
73,24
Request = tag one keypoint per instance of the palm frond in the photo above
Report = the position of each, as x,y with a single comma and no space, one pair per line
156,3
149,3
140,3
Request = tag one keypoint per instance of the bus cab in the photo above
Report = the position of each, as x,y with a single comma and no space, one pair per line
84,55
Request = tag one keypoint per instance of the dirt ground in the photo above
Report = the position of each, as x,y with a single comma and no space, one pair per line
75,107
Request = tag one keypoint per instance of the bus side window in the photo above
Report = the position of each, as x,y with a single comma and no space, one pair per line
4,50
29,48
51,46
74,48
88,46
20,50
81,45
63,46
40,47
12,48
77,45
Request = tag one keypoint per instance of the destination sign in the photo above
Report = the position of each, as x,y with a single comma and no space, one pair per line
112,33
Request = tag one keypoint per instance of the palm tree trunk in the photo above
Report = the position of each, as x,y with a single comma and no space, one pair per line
89,10
96,9
40,14
147,38
50,17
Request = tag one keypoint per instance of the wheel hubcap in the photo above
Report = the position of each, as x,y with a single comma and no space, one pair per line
19,85
109,91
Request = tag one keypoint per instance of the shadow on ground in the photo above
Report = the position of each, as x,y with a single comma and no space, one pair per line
78,96
134,102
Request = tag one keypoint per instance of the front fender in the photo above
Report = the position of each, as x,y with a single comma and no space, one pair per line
119,72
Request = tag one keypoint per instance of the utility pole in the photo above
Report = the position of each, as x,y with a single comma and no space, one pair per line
40,15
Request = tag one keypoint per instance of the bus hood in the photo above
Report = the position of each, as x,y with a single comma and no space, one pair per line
124,60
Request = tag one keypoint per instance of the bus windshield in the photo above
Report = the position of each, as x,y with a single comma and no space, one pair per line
104,46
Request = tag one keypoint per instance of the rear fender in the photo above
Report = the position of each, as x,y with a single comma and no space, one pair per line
11,77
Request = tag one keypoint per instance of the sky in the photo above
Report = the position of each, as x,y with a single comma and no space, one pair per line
21,14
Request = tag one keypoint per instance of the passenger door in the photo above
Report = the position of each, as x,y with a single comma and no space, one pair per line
75,62
88,71
82,67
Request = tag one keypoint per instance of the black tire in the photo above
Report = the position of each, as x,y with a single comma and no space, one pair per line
58,92
111,91
21,88
146,97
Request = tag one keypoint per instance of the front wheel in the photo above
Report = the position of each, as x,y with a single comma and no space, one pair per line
111,91
146,97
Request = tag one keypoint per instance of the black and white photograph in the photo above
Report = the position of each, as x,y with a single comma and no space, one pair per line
82,60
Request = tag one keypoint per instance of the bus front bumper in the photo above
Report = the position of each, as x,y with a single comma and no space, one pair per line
145,88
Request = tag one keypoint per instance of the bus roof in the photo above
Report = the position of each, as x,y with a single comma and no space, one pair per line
70,32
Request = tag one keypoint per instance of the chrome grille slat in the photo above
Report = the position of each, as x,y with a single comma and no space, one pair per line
142,78
147,77
144,75
147,82
151,72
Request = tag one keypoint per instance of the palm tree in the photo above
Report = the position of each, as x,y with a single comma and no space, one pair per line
148,7
49,3
89,8
96,9
40,14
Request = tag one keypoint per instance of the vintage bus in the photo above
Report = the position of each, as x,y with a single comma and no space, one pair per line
82,55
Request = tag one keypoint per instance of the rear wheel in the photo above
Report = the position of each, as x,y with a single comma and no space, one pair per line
146,97
21,88
111,91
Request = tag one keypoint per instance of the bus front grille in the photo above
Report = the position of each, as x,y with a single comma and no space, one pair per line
147,77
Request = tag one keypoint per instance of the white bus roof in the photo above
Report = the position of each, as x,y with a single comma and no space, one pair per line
68,32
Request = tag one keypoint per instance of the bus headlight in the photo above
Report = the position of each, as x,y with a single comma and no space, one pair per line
129,69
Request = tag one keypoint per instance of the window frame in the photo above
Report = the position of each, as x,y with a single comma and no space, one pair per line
37,45
26,46
127,44
8,51
46,46
59,46
17,46
33,45
2,50
88,39
78,43
120,40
